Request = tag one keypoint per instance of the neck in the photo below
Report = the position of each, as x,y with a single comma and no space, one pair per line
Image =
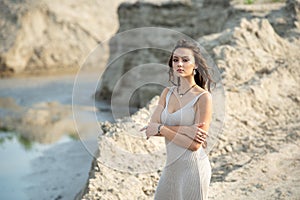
186,83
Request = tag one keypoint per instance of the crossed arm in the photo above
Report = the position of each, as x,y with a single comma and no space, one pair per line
190,137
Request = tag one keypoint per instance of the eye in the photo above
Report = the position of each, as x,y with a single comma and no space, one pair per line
175,60
185,60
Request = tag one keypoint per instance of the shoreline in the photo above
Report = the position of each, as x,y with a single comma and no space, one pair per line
56,175
63,165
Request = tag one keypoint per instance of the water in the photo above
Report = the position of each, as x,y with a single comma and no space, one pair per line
16,156
15,164
30,170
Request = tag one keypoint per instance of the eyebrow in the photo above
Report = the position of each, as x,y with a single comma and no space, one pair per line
181,56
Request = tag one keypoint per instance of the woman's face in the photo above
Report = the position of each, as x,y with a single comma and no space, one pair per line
183,62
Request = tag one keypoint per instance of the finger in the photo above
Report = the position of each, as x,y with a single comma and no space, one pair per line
203,132
144,128
201,138
203,135
200,134
200,141
201,124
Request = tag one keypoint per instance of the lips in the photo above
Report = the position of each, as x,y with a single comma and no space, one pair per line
179,70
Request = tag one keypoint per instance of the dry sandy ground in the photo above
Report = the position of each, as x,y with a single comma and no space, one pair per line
275,175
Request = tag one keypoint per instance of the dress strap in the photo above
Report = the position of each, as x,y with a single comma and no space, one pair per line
197,97
168,96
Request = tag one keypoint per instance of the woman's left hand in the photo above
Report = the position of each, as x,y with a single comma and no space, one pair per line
151,129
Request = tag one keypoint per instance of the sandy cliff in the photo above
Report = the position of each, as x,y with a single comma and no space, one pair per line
191,19
52,35
131,48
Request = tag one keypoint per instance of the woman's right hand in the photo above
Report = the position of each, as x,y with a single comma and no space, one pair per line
195,132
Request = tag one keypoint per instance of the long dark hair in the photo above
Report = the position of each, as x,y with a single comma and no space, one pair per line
202,77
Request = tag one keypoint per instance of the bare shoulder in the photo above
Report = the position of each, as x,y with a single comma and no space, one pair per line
198,90
165,91
162,99
205,98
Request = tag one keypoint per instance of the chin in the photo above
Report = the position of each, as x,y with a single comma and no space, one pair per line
180,74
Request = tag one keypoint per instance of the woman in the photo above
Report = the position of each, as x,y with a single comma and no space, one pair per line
183,116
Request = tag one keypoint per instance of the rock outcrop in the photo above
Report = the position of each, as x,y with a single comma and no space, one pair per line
260,73
191,19
169,21
53,35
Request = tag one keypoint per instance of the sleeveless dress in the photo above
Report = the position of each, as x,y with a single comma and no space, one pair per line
186,175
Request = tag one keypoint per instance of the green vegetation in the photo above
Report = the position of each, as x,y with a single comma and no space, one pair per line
9,135
6,137
25,142
249,1
5,129
73,136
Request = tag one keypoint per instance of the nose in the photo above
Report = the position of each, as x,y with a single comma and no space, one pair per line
179,64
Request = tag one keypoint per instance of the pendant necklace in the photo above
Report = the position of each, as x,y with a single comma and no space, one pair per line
181,94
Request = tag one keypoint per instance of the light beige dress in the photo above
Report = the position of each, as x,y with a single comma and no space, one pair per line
187,174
